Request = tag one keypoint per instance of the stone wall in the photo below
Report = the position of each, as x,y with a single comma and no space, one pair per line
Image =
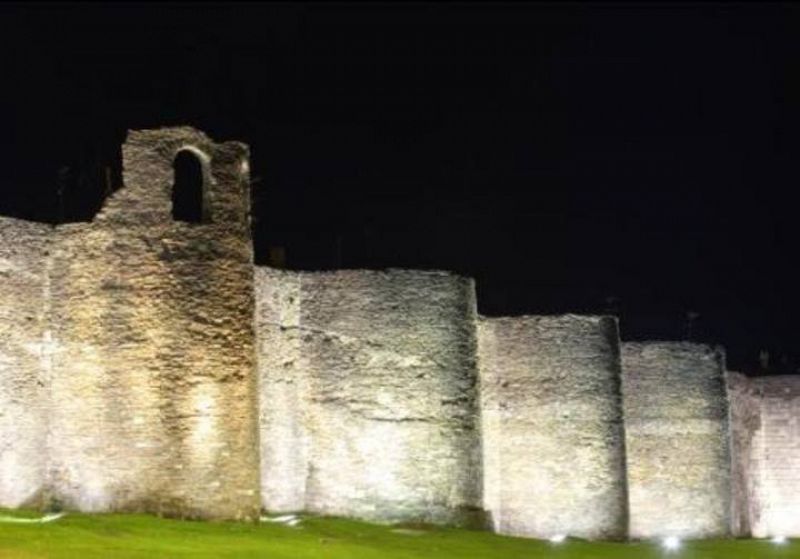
24,370
552,426
745,417
368,394
283,390
133,377
766,435
154,363
677,438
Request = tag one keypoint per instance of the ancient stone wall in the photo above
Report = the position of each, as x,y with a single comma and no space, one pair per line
154,362
745,417
778,461
143,369
552,426
369,394
283,391
766,435
24,371
677,438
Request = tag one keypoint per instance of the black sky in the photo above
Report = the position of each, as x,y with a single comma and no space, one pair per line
561,154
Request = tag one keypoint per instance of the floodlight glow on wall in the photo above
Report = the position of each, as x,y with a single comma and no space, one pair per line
671,543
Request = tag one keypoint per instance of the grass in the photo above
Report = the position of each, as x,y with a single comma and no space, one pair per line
138,536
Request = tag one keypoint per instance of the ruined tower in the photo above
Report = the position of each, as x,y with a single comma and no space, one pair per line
147,344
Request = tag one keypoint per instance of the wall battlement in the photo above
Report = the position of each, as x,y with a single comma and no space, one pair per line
147,365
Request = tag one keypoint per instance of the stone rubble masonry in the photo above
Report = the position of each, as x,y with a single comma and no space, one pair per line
147,366
150,343
24,378
553,441
766,440
677,438
745,418
283,386
368,394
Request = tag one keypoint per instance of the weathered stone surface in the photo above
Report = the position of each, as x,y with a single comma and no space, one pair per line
745,417
283,390
677,438
128,382
552,426
766,441
150,337
24,361
374,375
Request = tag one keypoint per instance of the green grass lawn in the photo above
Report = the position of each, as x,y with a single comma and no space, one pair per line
128,536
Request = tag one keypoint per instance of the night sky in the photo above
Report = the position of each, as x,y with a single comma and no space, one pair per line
590,158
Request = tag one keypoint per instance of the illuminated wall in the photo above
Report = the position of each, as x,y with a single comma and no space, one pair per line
142,368
24,355
766,438
283,390
745,416
368,394
552,426
677,439
141,335
155,368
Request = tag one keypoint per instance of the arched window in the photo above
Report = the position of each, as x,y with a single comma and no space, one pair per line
187,190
